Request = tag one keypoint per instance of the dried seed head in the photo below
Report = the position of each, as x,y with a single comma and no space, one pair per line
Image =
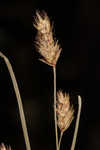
47,46
42,22
3,147
65,112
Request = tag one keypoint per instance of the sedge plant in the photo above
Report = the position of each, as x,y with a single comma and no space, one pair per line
50,50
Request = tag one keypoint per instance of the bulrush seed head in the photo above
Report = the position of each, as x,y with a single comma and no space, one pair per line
45,43
3,147
65,112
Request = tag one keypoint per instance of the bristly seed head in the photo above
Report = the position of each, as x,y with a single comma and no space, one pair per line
45,43
3,147
65,112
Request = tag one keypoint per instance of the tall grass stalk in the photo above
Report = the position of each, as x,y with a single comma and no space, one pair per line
77,123
61,135
55,115
19,101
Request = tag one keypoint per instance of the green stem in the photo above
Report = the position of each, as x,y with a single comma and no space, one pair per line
19,101
77,123
55,115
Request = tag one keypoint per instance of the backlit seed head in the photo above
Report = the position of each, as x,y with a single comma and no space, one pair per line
42,22
65,112
45,43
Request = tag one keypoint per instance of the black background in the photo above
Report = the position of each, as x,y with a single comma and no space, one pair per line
77,27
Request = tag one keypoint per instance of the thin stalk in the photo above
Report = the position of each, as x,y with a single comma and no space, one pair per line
77,123
60,139
55,115
19,101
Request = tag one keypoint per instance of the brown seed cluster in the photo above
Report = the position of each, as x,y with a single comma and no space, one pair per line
45,43
3,147
65,112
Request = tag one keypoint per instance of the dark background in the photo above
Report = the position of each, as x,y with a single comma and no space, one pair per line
77,27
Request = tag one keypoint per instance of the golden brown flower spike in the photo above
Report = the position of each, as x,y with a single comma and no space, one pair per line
45,43
65,113
3,147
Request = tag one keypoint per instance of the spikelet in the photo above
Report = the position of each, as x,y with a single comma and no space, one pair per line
65,112
46,45
3,147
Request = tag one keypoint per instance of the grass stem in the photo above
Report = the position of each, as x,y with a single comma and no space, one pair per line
55,115
77,123
19,101
60,139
